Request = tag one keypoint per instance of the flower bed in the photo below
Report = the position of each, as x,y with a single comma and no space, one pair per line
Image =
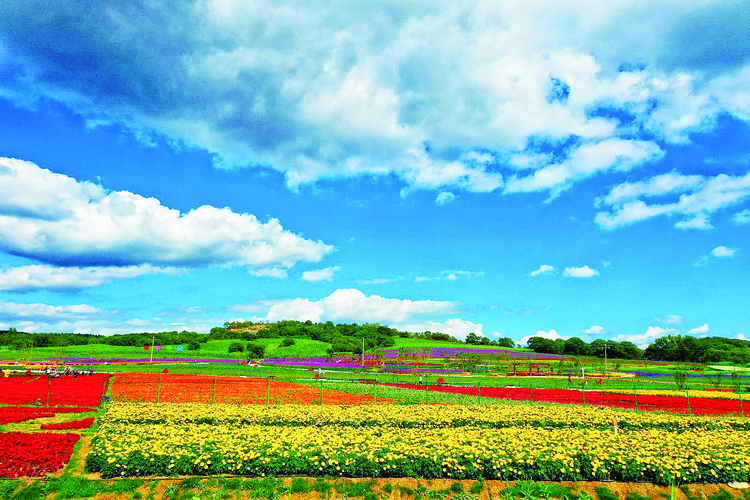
84,390
419,441
34,454
15,414
73,424
646,402
177,388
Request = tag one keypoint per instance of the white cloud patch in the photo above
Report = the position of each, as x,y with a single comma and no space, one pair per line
455,327
444,198
270,272
379,281
67,279
698,198
722,252
644,339
670,319
699,330
544,268
349,305
451,275
551,335
320,274
742,217
89,227
440,97
595,330
580,272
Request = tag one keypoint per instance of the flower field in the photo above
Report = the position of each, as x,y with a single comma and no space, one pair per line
646,401
64,391
238,390
498,442
34,454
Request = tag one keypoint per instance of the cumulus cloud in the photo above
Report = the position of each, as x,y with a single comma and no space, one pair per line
544,268
455,327
595,330
644,339
440,97
349,305
698,197
444,198
320,274
551,335
580,272
722,252
699,330
670,319
68,279
93,228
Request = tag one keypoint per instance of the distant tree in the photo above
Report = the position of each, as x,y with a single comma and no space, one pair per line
193,345
255,351
287,342
236,347
506,342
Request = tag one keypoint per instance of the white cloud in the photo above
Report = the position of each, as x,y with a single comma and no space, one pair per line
699,329
551,335
722,252
270,272
702,261
580,272
670,319
741,336
379,281
595,330
66,279
544,268
91,228
445,197
341,90
455,327
643,340
742,217
320,274
349,305
451,275
698,198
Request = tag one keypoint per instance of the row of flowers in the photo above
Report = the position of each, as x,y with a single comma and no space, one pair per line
72,424
649,401
15,414
67,390
123,448
34,454
411,416
177,388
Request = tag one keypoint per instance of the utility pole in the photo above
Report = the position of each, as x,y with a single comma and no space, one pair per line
363,352
153,339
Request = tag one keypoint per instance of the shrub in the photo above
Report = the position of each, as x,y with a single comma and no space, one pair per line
679,379
193,346
236,347
287,342
255,351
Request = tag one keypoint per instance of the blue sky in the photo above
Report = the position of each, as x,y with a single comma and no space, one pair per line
502,168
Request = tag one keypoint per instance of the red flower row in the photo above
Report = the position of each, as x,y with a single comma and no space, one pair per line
671,404
73,424
67,390
175,388
14,414
23,454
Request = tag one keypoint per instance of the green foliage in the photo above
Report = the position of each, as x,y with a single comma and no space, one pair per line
193,346
73,487
679,379
603,493
287,342
7,487
236,347
322,487
300,485
688,494
477,487
632,495
126,485
190,483
255,350
457,487
722,494
388,487
405,490
352,489
34,491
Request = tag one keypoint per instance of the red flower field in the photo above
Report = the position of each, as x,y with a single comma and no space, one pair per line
23,454
74,424
85,390
175,388
671,404
14,414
